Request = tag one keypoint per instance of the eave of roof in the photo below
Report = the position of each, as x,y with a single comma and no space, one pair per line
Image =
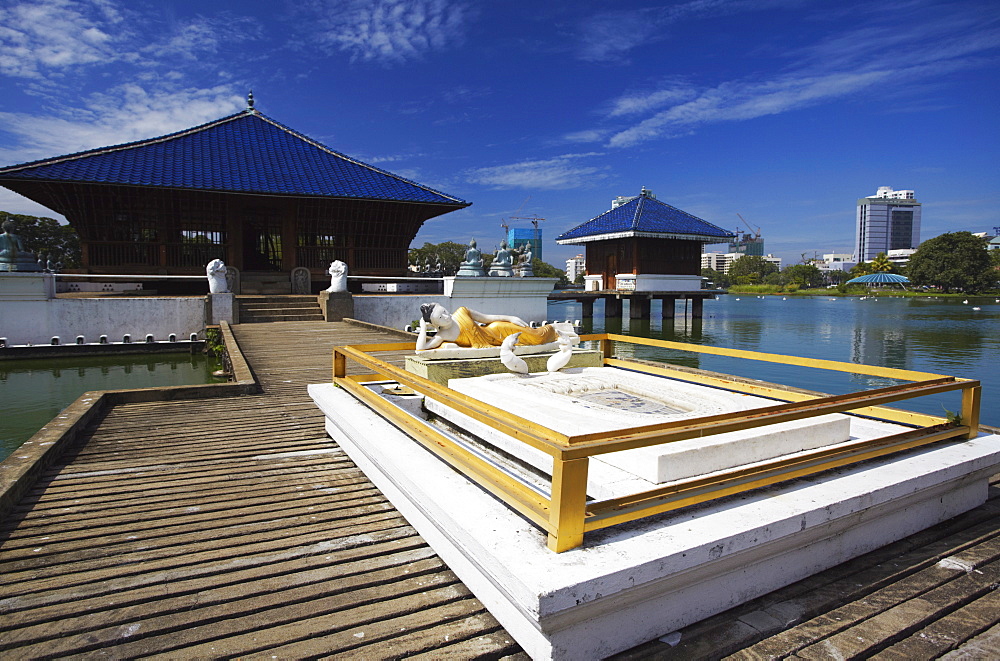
704,238
243,153
645,216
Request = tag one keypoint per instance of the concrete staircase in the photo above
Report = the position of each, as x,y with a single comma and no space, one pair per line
257,309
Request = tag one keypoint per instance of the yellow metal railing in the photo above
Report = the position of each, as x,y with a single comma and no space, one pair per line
566,515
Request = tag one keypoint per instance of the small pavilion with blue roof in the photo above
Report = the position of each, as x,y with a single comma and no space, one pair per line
245,189
644,249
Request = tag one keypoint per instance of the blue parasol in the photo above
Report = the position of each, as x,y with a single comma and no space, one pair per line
877,278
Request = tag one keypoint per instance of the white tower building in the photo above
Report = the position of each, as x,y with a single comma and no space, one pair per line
888,220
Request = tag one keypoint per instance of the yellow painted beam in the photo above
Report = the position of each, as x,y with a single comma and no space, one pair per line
567,516
882,412
536,435
569,504
971,399
636,437
526,501
853,368
690,492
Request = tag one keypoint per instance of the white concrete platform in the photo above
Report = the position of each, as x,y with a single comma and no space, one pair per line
592,399
635,582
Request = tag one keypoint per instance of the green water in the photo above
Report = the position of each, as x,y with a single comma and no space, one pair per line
32,392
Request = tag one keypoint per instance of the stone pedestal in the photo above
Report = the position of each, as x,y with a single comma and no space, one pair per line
441,370
220,308
336,305
466,270
633,583
501,271
19,286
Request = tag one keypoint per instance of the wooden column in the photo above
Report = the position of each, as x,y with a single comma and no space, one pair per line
638,307
697,307
612,307
668,307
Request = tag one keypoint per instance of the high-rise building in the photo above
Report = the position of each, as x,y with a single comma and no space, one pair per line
530,236
888,220
575,266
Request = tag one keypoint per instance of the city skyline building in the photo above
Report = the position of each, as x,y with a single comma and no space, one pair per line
721,261
888,220
531,236
575,267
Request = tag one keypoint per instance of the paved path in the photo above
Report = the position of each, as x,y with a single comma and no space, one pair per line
235,528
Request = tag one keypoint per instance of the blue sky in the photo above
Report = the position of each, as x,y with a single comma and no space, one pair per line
783,111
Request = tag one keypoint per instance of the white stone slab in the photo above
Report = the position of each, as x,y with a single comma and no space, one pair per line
632,583
584,400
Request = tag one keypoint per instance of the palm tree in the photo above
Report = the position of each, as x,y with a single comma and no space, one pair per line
881,264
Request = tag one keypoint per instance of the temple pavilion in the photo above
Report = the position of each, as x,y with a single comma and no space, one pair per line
644,245
245,189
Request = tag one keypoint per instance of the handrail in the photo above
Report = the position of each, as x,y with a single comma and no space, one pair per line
565,513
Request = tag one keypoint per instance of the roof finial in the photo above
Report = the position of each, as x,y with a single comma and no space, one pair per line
250,101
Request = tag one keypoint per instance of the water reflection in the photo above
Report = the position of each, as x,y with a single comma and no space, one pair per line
35,391
942,336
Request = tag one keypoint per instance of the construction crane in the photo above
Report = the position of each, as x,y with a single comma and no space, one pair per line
749,226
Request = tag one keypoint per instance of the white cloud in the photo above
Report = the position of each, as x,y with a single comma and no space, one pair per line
587,135
741,101
193,38
610,35
41,39
836,68
389,31
557,173
637,102
42,35
123,114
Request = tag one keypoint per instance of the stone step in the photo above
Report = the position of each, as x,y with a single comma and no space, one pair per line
285,305
262,309
275,298
256,319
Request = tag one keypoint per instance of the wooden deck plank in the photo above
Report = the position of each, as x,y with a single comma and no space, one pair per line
236,527
190,525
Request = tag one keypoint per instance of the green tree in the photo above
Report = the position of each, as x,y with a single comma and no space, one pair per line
837,277
717,278
804,275
47,236
953,261
881,264
750,269
858,270
449,253
777,278
545,270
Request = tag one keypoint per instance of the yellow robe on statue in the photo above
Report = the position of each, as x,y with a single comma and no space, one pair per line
471,334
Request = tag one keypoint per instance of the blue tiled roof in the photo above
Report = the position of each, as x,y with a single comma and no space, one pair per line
646,216
243,153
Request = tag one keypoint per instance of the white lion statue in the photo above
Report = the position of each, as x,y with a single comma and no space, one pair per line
338,277
216,272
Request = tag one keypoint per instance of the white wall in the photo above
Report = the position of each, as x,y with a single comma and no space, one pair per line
522,297
35,322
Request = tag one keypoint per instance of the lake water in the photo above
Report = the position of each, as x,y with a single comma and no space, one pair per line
943,336
32,392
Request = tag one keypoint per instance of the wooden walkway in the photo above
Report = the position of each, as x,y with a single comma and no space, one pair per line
235,528
229,528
